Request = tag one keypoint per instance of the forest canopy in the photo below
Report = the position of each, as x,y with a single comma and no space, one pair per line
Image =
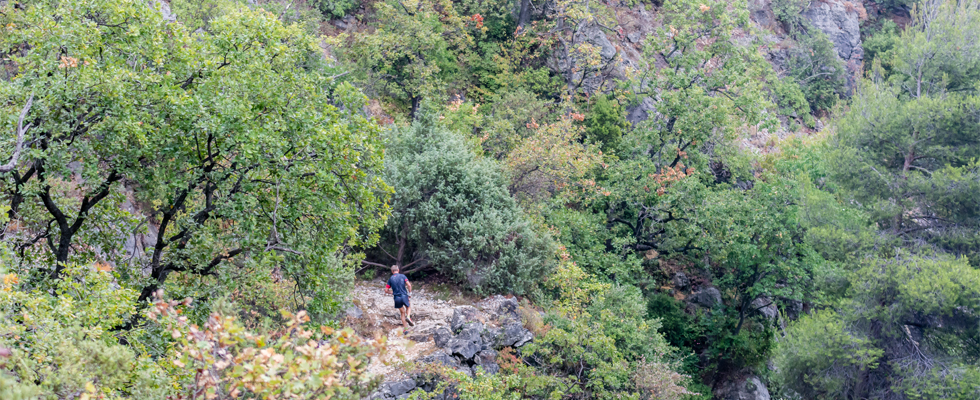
686,199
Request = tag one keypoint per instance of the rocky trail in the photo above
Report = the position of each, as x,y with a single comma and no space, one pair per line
459,336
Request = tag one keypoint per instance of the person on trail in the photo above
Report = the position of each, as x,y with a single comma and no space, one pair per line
399,285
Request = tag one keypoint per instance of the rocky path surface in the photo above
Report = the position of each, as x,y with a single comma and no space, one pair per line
460,336
378,316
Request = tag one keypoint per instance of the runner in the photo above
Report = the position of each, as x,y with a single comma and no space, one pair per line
399,285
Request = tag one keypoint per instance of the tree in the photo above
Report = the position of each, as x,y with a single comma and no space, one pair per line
551,160
605,124
412,54
908,329
236,139
909,145
451,212
702,96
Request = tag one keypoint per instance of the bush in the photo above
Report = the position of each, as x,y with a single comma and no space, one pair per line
60,343
451,213
336,8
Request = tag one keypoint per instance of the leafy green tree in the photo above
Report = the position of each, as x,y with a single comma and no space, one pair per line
413,52
451,212
605,123
232,139
909,145
663,175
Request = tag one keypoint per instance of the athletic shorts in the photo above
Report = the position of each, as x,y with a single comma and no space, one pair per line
401,301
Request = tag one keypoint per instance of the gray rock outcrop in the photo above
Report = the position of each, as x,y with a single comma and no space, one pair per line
747,388
707,297
840,21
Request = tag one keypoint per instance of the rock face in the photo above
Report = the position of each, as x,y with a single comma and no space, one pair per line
748,388
594,36
641,112
840,21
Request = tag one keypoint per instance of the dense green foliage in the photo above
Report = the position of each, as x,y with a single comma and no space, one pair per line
250,156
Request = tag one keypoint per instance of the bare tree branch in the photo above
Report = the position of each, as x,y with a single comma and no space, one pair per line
21,130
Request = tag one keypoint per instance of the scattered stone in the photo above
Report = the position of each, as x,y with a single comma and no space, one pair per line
634,37
354,312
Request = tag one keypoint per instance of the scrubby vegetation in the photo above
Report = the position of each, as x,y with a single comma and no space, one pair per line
189,190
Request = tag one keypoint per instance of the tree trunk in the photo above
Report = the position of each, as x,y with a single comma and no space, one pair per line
525,15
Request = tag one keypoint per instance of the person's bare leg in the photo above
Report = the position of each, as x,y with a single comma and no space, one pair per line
408,313
403,311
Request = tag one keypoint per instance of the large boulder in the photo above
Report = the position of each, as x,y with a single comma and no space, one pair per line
442,358
441,336
507,310
463,315
399,388
681,280
468,342
513,335
760,11
708,297
746,388
840,20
